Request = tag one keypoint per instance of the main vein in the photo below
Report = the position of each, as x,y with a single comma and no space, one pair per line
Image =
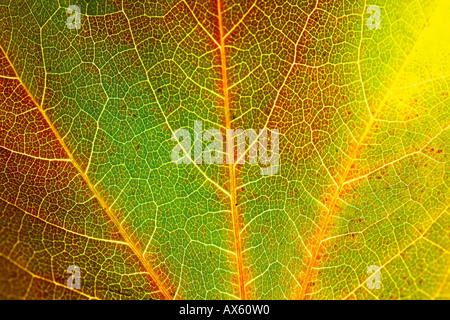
230,153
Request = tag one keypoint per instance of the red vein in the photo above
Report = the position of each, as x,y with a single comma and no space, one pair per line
230,152
114,219
324,225
323,228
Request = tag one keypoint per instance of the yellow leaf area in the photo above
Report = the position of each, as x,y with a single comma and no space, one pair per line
359,208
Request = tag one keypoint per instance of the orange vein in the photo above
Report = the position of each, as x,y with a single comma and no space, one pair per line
323,229
116,222
315,260
230,153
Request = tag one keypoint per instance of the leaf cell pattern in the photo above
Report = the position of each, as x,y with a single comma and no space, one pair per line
86,179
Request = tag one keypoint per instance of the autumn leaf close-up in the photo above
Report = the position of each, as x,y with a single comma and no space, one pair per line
224,149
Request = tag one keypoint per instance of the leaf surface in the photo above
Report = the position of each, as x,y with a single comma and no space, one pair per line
86,177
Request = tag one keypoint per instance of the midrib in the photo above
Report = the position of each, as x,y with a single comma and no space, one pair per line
230,153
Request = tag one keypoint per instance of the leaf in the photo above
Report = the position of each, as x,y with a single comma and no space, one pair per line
86,177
